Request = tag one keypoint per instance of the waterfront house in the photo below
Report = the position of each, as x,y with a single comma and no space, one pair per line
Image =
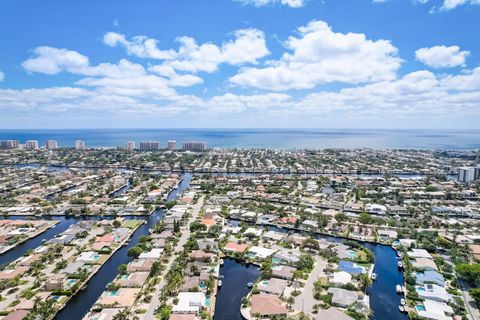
342,298
140,265
424,264
272,286
286,256
208,245
331,313
235,247
260,253
104,314
190,283
188,316
433,292
88,257
153,254
73,267
266,306
17,315
350,267
434,310
121,298
62,239
133,280
9,274
189,302
419,253
341,278
429,277
283,272
55,282
199,255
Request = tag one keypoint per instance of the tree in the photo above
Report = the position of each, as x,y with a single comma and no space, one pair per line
341,217
469,272
122,269
134,252
364,218
305,262
116,223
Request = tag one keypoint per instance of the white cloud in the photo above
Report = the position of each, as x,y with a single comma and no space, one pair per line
238,103
261,3
452,4
139,46
50,60
442,56
247,46
320,55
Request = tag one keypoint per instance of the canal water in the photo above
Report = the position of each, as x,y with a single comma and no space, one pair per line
234,286
383,298
81,303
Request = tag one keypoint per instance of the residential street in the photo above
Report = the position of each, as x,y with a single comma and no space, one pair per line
305,301
183,239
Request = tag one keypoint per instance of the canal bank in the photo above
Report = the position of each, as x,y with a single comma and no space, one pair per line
81,303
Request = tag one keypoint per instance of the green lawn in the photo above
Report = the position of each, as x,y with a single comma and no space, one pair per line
132,224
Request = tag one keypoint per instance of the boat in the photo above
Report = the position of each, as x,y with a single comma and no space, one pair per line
400,254
374,276
219,283
401,308
250,284
402,302
222,262
400,264
399,288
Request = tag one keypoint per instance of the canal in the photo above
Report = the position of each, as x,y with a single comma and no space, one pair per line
236,276
81,303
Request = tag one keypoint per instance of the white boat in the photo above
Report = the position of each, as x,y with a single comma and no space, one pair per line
250,284
374,276
219,283
399,288
402,302
222,262
401,308
400,254
400,264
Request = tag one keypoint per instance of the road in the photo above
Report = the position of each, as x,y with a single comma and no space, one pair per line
155,302
305,301
469,302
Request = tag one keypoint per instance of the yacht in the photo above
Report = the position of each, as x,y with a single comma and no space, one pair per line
374,276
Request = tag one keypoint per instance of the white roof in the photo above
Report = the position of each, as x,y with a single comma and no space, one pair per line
152,254
189,302
341,277
261,252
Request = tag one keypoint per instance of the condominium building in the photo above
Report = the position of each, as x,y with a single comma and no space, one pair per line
31,144
9,144
149,145
51,144
130,146
79,144
467,174
172,145
196,146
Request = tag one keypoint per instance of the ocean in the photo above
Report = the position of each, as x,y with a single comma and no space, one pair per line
261,138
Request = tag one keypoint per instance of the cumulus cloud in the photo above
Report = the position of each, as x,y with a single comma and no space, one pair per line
452,4
442,56
248,46
319,55
261,3
50,60
140,46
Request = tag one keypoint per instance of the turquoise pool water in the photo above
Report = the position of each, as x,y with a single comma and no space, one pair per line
71,282
352,254
207,301
112,293
420,307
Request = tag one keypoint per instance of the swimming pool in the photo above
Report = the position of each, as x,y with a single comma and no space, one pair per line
207,301
420,307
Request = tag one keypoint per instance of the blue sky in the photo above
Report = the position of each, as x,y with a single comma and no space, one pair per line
244,63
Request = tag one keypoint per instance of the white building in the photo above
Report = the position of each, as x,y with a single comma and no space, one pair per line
149,145
189,302
51,144
468,174
9,144
31,144
130,146
195,146
375,208
79,144
172,145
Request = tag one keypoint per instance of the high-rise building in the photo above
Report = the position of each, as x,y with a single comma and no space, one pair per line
51,144
130,146
149,145
9,144
31,144
466,174
196,146
172,145
477,172
79,144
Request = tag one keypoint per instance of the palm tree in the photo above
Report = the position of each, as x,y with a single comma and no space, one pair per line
122,315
